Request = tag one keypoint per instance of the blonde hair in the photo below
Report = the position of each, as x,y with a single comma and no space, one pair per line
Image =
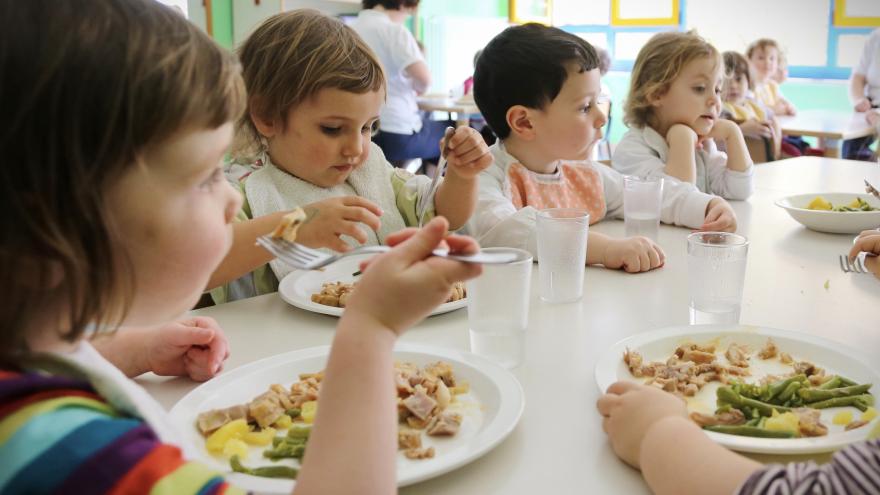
657,65
289,58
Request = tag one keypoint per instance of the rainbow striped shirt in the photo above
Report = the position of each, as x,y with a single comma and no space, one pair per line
57,435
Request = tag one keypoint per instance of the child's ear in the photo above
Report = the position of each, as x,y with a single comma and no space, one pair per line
520,122
266,127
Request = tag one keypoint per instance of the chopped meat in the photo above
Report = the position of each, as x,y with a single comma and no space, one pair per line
736,370
266,408
682,349
419,403
417,423
809,422
818,377
408,439
443,371
688,389
288,225
856,424
769,351
698,356
442,395
283,396
807,368
446,424
404,388
419,453
732,417
785,358
737,355
210,421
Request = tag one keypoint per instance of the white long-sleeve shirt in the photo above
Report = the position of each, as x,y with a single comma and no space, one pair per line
644,152
510,196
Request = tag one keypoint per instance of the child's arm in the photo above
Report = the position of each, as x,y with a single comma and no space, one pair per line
353,448
720,217
869,242
326,221
681,162
633,254
642,423
857,85
737,153
467,156
195,347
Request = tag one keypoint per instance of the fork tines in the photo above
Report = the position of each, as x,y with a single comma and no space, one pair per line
293,254
857,265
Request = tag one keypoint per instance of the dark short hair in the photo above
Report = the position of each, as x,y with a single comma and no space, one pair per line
526,65
735,65
390,4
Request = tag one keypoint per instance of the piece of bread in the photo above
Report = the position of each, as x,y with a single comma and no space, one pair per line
289,224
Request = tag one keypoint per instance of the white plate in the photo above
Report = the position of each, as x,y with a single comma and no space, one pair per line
491,410
835,222
658,345
298,286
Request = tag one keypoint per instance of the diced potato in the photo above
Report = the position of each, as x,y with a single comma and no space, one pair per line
283,422
783,422
856,203
231,430
237,447
309,410
870,414
819,203
261,438
461,388
843,418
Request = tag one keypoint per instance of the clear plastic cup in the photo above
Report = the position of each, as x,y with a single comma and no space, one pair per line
498,308
562,253
642,199
716,275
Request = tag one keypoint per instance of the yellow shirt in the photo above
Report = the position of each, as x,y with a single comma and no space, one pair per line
768,93
748,109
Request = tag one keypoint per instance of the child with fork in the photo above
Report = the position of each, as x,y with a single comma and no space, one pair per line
122,212
314,94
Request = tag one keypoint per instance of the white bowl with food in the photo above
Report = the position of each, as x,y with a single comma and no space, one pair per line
835,213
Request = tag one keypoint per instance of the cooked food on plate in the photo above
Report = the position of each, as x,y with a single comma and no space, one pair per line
336,294
289,224
858,204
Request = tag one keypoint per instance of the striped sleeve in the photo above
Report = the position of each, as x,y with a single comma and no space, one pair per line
58,436
854,470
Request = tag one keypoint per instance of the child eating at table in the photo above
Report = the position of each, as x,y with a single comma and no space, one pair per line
538,88
314,94
649,429
753,118
672,112
122,212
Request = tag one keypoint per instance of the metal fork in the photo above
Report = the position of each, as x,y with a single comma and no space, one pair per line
424,201
857,265
305,258
871,189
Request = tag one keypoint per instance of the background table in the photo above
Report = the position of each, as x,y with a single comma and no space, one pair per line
831,128
439,103
559,446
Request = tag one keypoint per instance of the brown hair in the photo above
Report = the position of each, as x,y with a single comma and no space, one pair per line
293,55
657,65
762,44
735,65
89,86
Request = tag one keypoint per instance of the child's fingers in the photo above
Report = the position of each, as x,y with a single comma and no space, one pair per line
661,255
607,403
362,203
460,135
654,257
337,244
362,215
462,244
869,244
455,271
353,230
471,155
420,245
194,332
400,236
622,387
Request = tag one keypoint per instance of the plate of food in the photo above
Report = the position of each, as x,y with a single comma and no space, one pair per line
836,213
755,389
325,291
254,421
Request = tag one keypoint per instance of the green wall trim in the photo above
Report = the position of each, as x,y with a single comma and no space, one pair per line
221,22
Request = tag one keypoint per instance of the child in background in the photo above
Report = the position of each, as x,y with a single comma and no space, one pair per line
642,422
764,56
123,212
753,118
538,88
672,112
314,94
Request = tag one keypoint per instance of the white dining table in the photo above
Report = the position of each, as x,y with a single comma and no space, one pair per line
793,282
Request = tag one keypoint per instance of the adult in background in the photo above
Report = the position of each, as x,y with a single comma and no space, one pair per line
404,133
864,92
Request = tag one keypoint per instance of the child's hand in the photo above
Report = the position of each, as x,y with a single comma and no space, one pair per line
756,128
723,130
873,117
868,241
401,287
682,133
629,410
328,219
720,217
863,105
467,154
633,254
194,347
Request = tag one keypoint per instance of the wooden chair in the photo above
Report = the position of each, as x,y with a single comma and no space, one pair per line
760,149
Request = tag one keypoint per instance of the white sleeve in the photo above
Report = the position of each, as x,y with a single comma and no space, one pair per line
404,51
633,156
869,54
683,204
496,221
724,182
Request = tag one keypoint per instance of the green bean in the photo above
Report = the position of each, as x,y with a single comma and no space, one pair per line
789,391
299,431
860,402
727,395
846,381
779,387
285,451
814,395
264,471
293,412
749,431
834,382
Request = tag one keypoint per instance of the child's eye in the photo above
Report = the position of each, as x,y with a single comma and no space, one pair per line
586,108
216,176
369,129
700,89
332,131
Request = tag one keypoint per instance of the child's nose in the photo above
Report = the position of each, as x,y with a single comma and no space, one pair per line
352,146
601,119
